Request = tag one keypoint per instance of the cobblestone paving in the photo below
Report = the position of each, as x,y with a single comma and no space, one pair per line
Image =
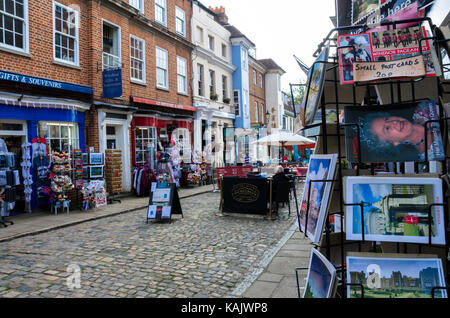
205,254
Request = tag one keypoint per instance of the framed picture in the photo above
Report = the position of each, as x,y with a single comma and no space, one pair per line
394,275
321,278
313,93
95,158
96,172
85,159
393,133
395,209
321,167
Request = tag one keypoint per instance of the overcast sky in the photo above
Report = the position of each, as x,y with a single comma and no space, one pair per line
281,29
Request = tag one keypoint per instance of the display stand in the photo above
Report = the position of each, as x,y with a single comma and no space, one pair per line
61,182
113,174
164,201
393,89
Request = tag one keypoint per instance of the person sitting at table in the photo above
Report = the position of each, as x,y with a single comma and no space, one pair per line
279,176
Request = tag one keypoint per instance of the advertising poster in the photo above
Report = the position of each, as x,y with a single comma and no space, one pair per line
393,133
395,209
392,276
389,45
321,167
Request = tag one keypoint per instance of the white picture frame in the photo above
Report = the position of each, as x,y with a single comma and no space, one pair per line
321,167
394,209
379,275
320,269
96,158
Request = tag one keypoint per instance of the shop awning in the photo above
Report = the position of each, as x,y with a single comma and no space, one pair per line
162,104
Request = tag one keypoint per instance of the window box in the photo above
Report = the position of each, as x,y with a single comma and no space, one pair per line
227,100
214,97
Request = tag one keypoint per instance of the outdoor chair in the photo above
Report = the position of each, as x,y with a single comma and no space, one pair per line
282,195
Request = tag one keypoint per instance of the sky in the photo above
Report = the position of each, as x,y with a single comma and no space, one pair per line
281,29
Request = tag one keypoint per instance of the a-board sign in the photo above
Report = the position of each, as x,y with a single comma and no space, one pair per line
249,196
163,202
370,71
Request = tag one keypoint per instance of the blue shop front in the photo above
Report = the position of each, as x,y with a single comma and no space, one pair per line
38,117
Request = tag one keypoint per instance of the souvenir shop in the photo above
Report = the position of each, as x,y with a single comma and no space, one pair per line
161,143
36,131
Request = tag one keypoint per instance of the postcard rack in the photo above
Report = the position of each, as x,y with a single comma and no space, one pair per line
394,87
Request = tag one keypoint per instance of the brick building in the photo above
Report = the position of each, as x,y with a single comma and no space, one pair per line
52,58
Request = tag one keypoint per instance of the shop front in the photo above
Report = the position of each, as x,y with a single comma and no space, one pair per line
158,128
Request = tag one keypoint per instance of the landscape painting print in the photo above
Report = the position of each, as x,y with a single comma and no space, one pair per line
321,167
395,209
391,276
316,78
391,133
321,277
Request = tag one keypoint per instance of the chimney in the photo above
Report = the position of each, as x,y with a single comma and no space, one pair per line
221,17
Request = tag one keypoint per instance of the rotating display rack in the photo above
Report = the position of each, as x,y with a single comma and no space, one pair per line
332,139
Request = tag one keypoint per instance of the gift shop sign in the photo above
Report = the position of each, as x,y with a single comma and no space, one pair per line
370,71
42,82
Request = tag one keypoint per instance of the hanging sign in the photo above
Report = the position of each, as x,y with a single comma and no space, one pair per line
370,71
112,83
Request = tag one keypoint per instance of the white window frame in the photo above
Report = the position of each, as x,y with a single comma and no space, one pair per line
137,4
260,80
237,102
186,146
256,112
199,33
23,132
224,86
254,78
133,79
76,61
60,124
211,42
224,50
212,82
166,73
201,79
119,31
146,140
164,12
26,38
183,24
184,88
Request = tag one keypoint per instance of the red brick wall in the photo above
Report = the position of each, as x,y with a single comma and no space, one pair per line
40,63
257,94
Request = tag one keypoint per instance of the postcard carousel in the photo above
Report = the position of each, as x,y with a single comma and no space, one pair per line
375,199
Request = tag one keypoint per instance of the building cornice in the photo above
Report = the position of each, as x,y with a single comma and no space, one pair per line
135,16
213,59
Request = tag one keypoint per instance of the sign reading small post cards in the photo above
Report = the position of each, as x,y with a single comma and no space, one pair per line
371,71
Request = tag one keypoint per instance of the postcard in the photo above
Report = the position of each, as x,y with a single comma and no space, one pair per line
161,195
313,93
321,278
388,276
394,209
151,212
393,133
96,158
321,167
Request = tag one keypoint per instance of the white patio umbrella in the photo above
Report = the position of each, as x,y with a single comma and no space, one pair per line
284,138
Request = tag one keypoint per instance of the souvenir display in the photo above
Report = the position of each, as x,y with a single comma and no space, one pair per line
61,182
77,164
26,174
394,276
393,133
96,158
321,167
41,170
113,170
94,194
395,209
142,180
321,279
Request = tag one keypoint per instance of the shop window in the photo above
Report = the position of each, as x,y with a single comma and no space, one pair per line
162,63
14,24
14,133
160,12
111,46
60,136
146,141
183,142
180,21
65,34
137,59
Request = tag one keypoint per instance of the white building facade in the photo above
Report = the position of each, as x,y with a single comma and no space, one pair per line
211,83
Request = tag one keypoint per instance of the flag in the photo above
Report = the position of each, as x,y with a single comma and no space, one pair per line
302,65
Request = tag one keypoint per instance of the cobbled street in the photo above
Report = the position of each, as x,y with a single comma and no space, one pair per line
204,254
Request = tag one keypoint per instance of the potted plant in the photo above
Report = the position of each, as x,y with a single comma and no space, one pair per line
214,97
226,100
